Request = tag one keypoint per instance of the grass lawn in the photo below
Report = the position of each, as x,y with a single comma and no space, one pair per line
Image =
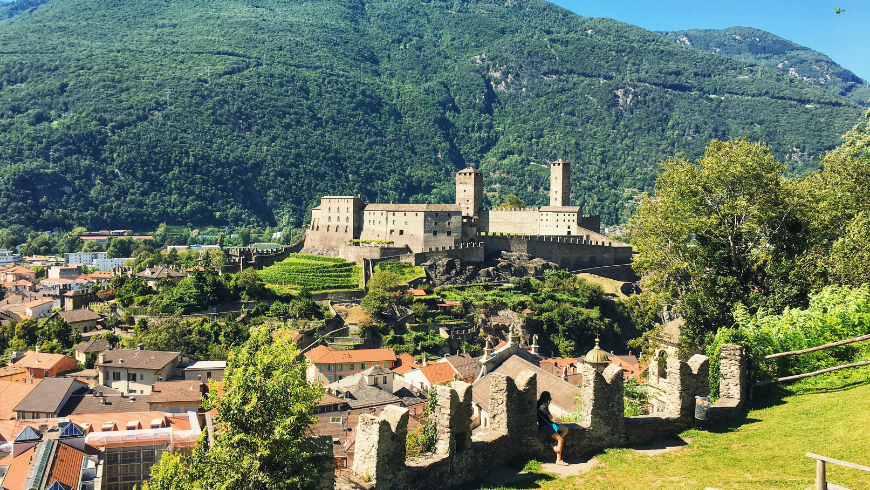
766,450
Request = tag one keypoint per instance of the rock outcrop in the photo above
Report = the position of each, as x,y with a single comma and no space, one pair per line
501,268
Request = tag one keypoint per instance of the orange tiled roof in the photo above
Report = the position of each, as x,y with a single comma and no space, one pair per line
323,354
11,394
416,292
19,467
42,360
438,372
39,302
67,466
407,363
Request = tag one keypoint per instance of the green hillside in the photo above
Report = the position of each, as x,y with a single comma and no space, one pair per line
122,113
766,49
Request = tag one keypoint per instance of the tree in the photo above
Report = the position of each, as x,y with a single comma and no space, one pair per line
214,259
719,232
250,285
512,202
245,236
260,426
377,303
384,280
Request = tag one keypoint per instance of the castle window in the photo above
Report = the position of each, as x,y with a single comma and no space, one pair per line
348,210
347,220
415,214
401,232
449,233
435,233
330,209
436,215
327,228
391,232
394,221
336,228
330,219
345,229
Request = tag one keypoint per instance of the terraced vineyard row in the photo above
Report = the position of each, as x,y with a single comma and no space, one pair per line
313,272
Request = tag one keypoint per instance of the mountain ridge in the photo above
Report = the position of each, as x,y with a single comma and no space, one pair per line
768,49
228,112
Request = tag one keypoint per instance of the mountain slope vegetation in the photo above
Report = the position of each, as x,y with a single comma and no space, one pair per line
770,50
123,113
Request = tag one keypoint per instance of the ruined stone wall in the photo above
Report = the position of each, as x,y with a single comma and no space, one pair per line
524,221
461,457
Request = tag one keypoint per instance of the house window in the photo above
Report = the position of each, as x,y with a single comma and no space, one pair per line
385,380
47,374
141,377
320,377
350,367
208,375
329,378
116,376
340,377
385,364
376,381
362,365
320,367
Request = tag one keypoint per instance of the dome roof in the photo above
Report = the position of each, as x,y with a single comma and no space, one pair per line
596,355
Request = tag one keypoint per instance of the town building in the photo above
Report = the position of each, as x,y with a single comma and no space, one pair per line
83,320
39,308
154,275
84,258
330,365
48,398
9,257
11,394
136,371
177,396
64,272
93,346
205,371
45,365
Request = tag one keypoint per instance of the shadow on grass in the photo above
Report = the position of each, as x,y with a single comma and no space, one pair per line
533,480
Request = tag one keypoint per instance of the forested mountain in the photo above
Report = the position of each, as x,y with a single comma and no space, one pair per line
766,49
129,113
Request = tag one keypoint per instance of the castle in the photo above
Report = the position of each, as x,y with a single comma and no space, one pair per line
340,222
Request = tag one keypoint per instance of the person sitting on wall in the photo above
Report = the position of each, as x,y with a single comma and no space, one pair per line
552,429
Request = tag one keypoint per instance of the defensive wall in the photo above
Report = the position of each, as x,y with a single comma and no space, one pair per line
570,252
524,221
460,457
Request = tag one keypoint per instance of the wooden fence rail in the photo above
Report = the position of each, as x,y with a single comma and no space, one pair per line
814,349
821,478
809,375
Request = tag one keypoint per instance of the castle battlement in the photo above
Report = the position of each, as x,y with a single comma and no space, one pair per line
461,456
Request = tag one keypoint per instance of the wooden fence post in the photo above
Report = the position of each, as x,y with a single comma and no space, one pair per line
821,480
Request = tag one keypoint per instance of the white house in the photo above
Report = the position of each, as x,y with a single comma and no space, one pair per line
40,308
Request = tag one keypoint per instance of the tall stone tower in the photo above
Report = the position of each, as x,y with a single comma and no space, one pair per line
469,191
560,183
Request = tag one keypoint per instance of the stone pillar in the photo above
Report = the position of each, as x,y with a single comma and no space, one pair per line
512,404
603,403
380,448
732,364
685,381
321,456
453,417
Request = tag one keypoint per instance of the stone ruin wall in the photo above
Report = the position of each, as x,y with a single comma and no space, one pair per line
460,457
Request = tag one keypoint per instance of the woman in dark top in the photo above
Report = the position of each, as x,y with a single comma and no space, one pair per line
547,426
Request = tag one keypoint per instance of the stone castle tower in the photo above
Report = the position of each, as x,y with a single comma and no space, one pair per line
560,183
469,191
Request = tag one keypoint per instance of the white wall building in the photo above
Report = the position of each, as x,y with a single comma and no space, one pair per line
86,258
9,257
109,264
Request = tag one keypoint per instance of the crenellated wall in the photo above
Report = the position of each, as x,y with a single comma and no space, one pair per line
570,252
461,457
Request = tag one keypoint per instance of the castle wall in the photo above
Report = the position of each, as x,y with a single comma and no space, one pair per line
359,253
522,221
415,226
571,253
334,223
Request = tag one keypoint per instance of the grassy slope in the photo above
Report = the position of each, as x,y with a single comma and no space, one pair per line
764,451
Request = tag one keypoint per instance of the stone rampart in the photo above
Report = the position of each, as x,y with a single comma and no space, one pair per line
360,253
570,252
461,457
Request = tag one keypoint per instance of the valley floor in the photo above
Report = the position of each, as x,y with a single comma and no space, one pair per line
765,450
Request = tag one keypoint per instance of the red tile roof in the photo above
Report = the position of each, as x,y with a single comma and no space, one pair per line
42,360
416,292
67,466
438,372
11,394
325,355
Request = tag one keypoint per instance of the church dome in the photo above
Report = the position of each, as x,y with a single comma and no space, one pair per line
596,355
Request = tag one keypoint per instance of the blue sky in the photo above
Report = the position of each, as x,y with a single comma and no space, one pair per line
811,23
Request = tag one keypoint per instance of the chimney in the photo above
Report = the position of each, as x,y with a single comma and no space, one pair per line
37,351
101,357
487,350
424,358
535,344
140,346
